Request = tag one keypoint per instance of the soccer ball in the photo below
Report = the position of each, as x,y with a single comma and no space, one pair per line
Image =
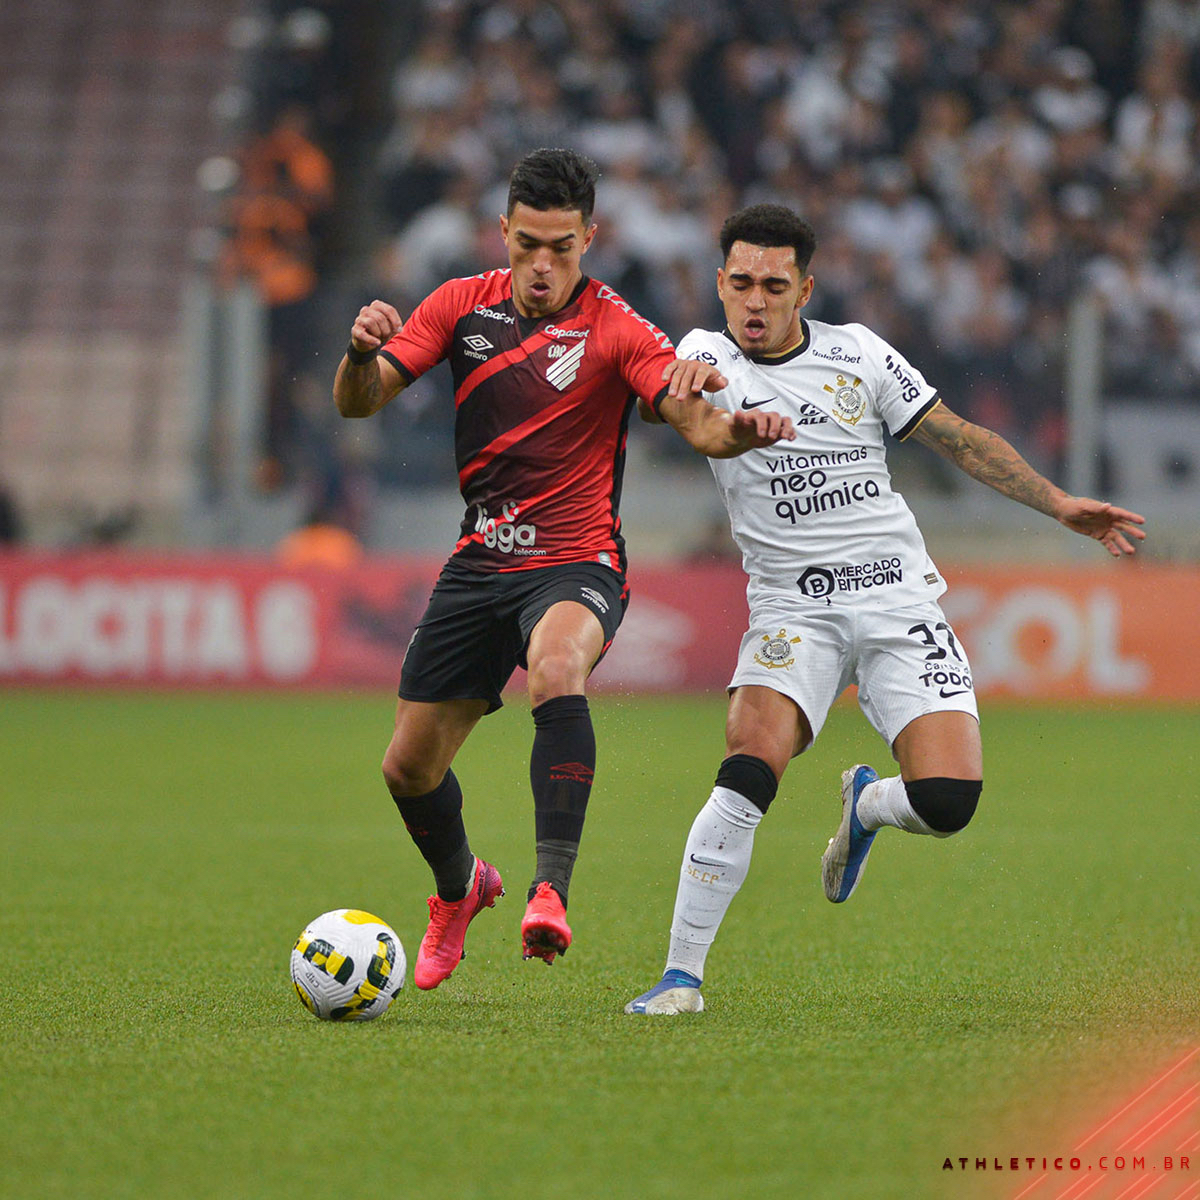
347,965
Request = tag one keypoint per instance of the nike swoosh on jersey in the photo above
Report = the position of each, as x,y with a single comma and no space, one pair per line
704,862
757,404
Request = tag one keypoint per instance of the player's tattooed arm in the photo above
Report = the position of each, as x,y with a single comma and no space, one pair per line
364,382
986,456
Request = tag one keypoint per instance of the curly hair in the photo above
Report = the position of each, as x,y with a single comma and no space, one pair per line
770,225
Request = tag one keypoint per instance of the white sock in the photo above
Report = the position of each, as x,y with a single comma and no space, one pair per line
715,861
886,802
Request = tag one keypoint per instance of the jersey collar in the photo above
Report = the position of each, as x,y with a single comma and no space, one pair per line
556,315
777,360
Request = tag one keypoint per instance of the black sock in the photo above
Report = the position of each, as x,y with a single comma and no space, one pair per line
560,772
434,822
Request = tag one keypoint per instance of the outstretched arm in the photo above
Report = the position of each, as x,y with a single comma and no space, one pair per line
986,456
711,430
363,387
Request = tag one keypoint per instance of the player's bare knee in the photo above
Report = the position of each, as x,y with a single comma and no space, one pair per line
945,805
408,778
555,675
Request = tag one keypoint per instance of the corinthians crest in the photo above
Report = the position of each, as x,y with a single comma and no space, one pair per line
776,651
849,404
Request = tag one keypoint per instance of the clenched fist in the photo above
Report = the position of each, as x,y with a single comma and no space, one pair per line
374,325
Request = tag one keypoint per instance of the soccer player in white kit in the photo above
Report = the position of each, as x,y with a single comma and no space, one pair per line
841,589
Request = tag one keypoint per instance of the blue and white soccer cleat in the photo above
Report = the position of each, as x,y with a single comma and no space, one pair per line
675,992
843,861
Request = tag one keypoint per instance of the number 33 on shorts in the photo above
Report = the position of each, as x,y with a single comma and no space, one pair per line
946,669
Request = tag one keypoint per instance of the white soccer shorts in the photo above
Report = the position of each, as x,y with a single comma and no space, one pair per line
906,662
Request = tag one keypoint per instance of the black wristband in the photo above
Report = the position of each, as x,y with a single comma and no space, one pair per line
360,358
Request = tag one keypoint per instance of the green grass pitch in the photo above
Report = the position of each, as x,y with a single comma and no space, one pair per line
985,995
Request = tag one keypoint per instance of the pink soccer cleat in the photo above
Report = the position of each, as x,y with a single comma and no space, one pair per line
442,946
544,929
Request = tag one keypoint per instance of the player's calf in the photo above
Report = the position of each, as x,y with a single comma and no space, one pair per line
945,805
937,805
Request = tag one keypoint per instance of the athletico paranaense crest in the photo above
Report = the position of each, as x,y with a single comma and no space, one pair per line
564,363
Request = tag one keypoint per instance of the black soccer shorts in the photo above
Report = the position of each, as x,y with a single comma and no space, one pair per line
476,628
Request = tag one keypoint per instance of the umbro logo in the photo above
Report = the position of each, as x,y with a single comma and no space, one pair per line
593,597
476,345
571,772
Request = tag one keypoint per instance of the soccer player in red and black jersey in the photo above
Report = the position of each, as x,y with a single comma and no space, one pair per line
547,366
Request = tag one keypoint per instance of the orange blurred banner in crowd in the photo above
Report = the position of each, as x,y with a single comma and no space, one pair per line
1116,630
1111,630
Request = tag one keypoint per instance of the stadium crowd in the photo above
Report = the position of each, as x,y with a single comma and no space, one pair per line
970,168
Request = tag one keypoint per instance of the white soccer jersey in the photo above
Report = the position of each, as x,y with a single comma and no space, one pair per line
816,519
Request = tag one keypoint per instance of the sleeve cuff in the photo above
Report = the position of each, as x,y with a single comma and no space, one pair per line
919,416
407,375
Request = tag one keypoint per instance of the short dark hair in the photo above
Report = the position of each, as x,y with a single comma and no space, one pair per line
546,179
770,225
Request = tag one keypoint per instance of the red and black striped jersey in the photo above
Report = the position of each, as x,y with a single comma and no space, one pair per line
542,410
